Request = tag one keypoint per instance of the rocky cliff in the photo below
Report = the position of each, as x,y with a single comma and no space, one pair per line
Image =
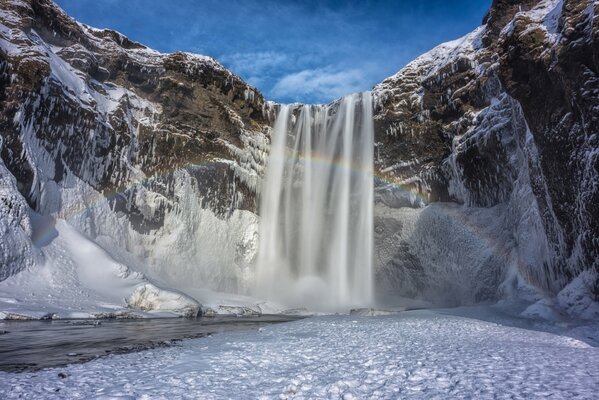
117,138
158,157
503,119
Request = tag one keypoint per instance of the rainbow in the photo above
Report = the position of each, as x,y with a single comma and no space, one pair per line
100,197
96,198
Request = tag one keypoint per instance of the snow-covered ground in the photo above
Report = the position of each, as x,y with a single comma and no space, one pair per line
415,354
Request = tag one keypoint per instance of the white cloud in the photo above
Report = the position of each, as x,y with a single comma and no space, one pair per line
321,84
255,81
255,63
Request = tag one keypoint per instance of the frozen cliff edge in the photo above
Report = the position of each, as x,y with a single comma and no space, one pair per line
502,122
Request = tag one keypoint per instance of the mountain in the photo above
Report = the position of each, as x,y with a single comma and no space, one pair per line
486,155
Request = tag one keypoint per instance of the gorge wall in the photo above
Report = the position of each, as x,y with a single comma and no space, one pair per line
503,119
159,157
143,152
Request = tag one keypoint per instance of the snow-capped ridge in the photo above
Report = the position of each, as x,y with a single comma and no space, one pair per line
437,58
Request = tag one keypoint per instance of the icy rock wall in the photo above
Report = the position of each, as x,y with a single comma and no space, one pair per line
501,118
495,244
549,66
16,250
446,255
487,168
192,248
501,144
181,228
155,156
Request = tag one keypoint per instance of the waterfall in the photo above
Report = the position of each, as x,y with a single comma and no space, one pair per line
317,207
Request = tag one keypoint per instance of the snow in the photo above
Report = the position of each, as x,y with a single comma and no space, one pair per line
544,15
577,297
95,267
416,354
109,96
79,279
71,80
547,13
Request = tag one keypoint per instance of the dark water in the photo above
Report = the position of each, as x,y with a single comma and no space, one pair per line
33,345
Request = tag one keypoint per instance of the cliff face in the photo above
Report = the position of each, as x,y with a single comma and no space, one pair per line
551,68
107,108
158,157
503,118
97,128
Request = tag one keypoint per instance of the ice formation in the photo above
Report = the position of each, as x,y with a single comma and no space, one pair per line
316,207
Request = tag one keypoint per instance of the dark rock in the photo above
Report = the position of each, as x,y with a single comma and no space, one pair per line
203,109
512,107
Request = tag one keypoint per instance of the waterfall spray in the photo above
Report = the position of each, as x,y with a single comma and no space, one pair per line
316,206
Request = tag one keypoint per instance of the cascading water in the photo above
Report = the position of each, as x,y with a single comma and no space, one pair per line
317,206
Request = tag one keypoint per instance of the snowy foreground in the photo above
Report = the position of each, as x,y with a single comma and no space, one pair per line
417,354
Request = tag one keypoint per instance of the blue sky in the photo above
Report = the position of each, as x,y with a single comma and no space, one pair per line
307,51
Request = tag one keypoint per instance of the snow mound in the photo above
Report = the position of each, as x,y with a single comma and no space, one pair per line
238,311
79,279
148,297
11,316
221,303
579,297
544,309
